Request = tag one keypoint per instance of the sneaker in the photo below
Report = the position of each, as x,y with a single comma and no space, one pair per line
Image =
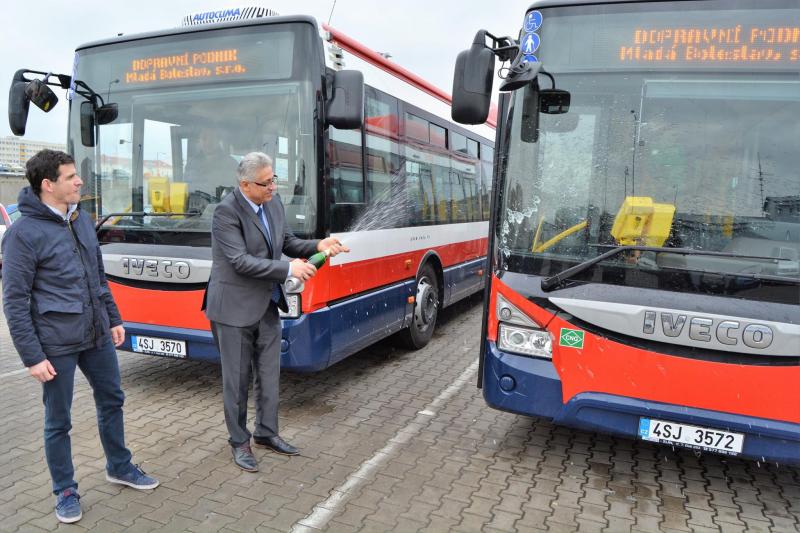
68,506
136,478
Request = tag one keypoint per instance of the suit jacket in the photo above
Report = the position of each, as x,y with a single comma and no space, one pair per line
245,267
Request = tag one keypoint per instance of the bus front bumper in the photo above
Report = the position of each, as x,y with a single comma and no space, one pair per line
301,342
532,387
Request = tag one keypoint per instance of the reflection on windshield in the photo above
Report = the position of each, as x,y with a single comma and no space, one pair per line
178,152
704,164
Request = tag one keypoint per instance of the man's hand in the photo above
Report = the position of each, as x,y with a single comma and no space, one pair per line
302,270
43,371
118,335
333,245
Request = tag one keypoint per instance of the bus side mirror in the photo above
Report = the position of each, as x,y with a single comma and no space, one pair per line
18,104
554,101
346,106
106,114
87,124
40,94
91,117
472,82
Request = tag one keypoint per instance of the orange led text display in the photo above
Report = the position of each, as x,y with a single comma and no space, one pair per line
185,66
733,44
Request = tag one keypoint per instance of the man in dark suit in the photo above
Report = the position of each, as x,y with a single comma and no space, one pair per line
248,235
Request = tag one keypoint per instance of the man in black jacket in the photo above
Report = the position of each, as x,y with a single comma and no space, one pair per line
61,316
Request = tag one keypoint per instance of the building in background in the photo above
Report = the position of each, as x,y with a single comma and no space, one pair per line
15,151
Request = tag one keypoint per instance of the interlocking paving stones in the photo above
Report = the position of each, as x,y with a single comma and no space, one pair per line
464,467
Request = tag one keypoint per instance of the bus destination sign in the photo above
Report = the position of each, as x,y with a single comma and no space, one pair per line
726,39
711,44
187,65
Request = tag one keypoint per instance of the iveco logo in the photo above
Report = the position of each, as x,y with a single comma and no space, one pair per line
729,332
155,268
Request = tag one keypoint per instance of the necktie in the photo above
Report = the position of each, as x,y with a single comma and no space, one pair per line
263,219
276,290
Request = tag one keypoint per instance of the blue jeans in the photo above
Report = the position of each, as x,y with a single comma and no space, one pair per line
101,369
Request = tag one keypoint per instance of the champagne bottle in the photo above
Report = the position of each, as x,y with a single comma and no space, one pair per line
293,284
319,258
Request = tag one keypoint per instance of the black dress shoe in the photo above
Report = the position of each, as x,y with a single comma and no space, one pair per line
276,444
243,457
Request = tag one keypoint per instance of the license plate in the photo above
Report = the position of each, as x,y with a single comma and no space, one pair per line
695,437
158,346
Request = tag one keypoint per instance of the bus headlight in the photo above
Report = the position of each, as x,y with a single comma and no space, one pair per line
293,301
525,341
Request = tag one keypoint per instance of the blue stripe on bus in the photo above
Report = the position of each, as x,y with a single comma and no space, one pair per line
537,392
345,327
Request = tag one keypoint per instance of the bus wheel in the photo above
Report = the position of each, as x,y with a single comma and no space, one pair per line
426,309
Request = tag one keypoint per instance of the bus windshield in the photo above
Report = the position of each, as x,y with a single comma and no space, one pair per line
682,133
190,107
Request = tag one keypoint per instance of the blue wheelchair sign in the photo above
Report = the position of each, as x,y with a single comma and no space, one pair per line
533,21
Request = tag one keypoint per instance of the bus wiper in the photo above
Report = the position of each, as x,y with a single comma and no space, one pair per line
128,214
550,283
749,275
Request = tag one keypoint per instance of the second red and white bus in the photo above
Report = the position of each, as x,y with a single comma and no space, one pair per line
645,243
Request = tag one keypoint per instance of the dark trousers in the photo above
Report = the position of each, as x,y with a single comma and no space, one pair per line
101,369
253,349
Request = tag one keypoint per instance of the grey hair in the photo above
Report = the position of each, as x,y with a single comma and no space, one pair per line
251,164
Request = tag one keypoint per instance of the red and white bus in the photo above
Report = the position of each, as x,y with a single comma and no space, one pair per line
158,122
645,243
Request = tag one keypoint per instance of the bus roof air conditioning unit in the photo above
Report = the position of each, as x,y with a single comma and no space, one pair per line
227,15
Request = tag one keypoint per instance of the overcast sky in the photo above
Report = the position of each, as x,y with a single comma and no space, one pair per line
422,35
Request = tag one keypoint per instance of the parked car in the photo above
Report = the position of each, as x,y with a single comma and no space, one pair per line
12,212
8,214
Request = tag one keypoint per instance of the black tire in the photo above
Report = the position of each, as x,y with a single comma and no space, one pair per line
426,310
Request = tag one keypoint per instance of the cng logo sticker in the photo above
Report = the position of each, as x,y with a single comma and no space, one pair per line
571,338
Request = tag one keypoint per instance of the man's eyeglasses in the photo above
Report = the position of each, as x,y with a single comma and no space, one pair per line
269,183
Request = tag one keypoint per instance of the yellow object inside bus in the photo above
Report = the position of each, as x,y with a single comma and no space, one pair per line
166,197
641,221
564,234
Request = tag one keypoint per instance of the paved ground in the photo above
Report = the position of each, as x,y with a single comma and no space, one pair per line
391,440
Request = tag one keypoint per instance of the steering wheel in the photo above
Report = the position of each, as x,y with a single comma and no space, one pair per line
198,201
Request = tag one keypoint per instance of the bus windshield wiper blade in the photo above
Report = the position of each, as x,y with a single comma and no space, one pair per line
552,282
106,218
749,275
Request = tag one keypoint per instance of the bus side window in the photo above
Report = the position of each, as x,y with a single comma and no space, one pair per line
458,196
421,187
471,180
346,166
441,174
487,175
385,192
347,177
419,182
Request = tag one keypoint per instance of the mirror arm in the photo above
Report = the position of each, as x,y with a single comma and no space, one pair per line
552,79
505,48
88,93
62,80
328,93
